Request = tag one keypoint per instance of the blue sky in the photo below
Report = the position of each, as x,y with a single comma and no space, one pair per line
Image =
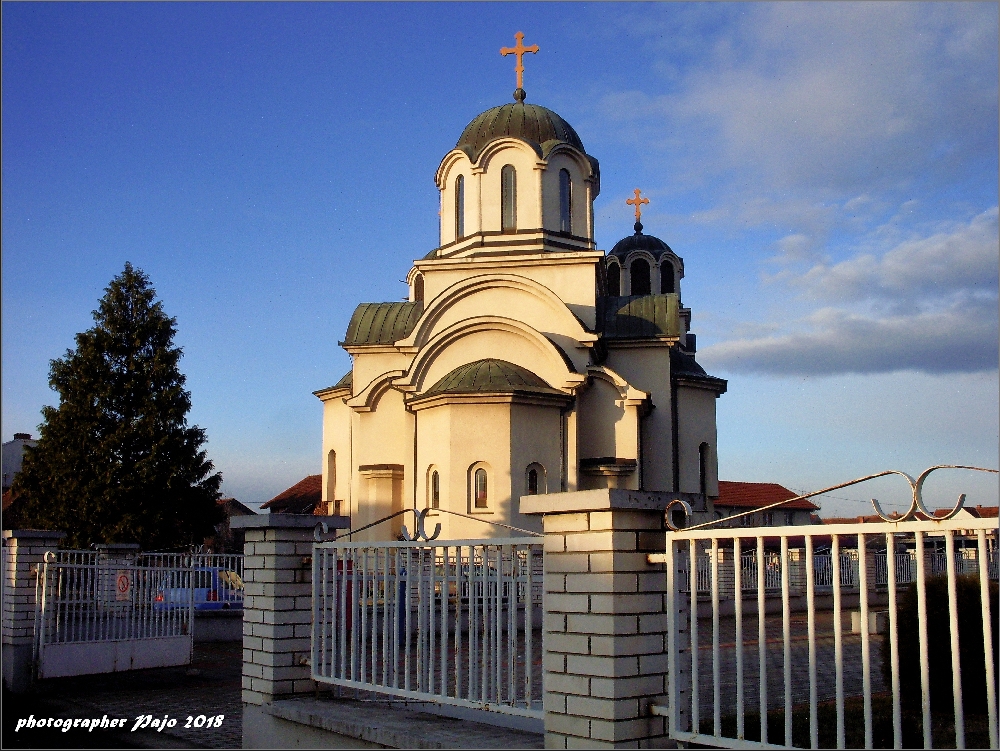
828,172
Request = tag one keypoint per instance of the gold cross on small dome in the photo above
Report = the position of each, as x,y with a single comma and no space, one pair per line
637,202
519,50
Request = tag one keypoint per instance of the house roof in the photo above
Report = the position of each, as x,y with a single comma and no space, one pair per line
977,512
748,495
302,498
232,507
382,322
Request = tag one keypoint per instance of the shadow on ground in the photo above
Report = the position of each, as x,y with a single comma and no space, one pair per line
209,687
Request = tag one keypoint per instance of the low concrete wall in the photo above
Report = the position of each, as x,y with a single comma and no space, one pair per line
332,723
218,625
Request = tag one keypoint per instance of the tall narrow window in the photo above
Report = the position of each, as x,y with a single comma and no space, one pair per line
508,198
614,279
435,489
480,488
532,481
418,288
460,207
639,272
667,278
331,483
565,202
703,469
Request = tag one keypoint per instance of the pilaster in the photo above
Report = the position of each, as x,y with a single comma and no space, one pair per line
23,553
605,624
277,605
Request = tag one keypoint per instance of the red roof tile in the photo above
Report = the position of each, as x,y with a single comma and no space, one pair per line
984,512
758,494
302,498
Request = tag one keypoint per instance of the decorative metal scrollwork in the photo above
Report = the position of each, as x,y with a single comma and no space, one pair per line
320,531
675,506
916,487
421,533
916,504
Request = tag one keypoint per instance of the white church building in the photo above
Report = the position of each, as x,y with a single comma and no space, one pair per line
525,360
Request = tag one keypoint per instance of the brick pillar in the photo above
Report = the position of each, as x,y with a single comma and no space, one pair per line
24,551
605,628
277,605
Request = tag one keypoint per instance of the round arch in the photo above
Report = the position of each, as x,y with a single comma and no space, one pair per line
555,361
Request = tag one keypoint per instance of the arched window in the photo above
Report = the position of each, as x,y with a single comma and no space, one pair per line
418,288
460,207
703,469
534,479
614,279
565,202
667,278
508,198
639,272
480,489
435,489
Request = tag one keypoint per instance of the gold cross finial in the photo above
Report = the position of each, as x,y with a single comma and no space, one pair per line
519,49
637,202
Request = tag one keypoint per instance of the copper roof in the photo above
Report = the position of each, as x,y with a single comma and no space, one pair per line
302,498
382,322
539,126
639,316
490,376
639,241
758,494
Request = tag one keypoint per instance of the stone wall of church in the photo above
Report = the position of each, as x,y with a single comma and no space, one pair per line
695,426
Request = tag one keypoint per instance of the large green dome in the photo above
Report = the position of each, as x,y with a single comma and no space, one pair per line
539,126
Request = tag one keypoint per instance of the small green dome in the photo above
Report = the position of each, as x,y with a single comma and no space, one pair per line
540,127
490,376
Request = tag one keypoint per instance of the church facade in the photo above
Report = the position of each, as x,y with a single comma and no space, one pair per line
524,360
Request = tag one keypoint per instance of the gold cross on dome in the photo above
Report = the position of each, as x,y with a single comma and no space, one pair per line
519,49
637,202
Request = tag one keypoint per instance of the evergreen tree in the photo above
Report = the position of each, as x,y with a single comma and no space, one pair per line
116,460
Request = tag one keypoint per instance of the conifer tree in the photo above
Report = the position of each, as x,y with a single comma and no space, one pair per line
116,461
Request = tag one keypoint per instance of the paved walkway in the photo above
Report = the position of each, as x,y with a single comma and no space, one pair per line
853,673
210,686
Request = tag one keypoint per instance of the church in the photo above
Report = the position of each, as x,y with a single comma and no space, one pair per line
524,360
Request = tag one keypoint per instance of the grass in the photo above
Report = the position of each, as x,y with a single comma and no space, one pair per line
942,726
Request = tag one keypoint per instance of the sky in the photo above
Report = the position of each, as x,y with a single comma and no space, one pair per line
827,171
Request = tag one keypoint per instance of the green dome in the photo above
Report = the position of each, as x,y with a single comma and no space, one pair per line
540,127
490,376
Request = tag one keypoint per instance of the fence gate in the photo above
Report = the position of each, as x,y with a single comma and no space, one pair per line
101,613
876,635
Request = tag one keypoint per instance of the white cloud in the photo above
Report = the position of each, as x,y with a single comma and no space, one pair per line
834,97
928,304
961,259
962,338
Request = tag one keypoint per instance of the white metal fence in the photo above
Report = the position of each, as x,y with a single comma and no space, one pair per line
966,562
101,611
216,580
967,543
453,622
